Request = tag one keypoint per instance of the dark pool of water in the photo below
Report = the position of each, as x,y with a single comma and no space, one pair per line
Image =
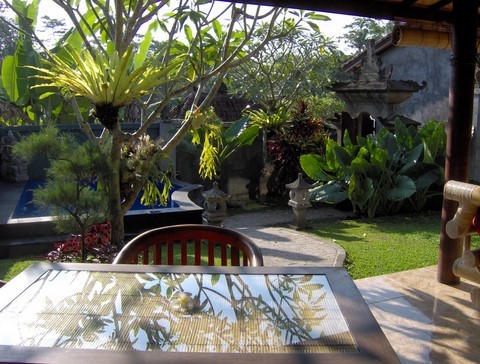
25,208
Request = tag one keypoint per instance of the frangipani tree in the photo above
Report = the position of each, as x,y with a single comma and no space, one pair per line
99,63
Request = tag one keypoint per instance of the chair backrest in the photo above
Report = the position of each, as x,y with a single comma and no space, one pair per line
191,244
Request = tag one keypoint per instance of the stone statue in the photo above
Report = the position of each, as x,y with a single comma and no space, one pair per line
12,168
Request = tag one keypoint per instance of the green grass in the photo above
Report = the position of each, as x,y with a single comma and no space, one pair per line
386,245
9,268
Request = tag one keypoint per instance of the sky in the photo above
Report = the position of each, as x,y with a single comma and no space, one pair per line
333,28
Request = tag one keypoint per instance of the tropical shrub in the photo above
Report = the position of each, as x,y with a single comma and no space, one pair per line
97,245
301,134
218,143
381,172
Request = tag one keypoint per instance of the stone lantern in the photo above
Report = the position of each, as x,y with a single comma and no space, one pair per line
299,200
215,205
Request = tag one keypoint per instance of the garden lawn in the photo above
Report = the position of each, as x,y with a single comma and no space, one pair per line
386,245
9,268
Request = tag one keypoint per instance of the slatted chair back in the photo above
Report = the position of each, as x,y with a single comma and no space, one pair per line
191,244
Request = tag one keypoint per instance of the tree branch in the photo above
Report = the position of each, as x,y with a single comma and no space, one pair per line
84,126
119,45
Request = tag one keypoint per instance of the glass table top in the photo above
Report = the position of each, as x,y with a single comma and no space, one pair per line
177,312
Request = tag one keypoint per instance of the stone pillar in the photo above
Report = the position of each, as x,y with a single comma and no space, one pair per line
299,201
215,205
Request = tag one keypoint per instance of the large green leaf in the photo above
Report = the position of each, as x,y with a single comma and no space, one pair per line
429,178
330,157
314,166
342,157
379,158
26,56
217,27
388,142
434,139
360,190
9,77
29,11
424,174
411,158
347,141
238,136
237,128
142,52
360,165
404,139
363,153
15,76
188,33
332,192
403,187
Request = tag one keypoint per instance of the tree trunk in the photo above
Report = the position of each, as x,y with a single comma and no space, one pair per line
83,247
114,203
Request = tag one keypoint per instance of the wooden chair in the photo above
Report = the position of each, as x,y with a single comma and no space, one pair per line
188,244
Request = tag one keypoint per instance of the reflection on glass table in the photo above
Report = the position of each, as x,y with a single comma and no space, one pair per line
178,312
127,313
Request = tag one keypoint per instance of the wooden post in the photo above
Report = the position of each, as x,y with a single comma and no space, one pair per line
459,131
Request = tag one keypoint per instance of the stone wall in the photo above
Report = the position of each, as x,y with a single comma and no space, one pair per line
37,169
422,64
239,173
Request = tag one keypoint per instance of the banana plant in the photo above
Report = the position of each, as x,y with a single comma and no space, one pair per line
15,84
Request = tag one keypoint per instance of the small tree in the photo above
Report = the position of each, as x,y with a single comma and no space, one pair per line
289,69
71,192
101,65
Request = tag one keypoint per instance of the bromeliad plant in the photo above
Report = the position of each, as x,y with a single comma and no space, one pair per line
107,80
110,82
380,173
